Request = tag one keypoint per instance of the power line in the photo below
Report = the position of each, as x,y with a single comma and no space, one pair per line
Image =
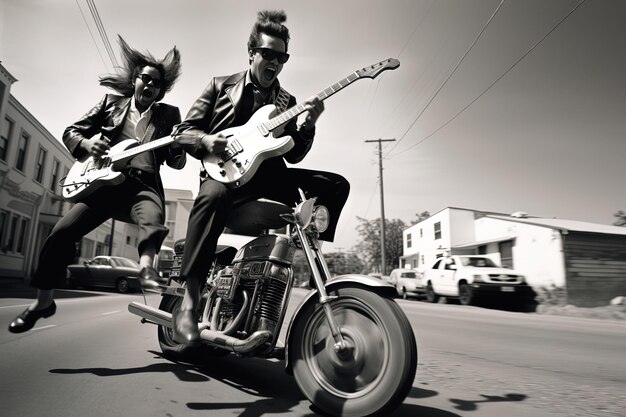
102,31
497,79
448,77
92,37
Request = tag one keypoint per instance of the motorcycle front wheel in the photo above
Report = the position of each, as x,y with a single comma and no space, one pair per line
375,374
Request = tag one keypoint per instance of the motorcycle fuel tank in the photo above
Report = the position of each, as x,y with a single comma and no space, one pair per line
269,247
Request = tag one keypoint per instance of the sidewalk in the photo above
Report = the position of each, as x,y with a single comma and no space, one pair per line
13,287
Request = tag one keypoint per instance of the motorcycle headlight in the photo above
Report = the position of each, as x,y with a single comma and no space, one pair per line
321,217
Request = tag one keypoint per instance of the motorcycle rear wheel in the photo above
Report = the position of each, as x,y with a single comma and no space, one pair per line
195,354
372,380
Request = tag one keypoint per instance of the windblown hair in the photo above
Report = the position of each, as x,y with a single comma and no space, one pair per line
269,22
135,62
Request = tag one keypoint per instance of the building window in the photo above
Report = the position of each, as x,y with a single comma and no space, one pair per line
87,248
41,164
421,233
21,237
13,232
171,226
4,221
437,230
22,148
408,240
5,138
54,178
100,249
422,259
128,240
170,209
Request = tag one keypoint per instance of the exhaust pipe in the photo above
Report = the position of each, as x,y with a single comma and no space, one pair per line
211,337
152,314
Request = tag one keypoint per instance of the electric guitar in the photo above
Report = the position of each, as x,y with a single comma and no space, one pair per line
86,177
259,139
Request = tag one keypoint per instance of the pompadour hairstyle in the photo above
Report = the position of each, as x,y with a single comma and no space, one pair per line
269,22
134,62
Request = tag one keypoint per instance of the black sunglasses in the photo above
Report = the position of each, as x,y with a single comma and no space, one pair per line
146,78
270,54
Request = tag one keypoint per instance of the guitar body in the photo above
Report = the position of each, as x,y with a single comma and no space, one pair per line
248,146
86,177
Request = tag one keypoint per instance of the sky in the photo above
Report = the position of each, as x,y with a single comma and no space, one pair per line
500,107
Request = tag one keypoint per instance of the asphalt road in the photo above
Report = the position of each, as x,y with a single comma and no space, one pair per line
93,358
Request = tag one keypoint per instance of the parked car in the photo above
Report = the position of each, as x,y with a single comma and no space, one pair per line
408,282
113,272
471,277
164,260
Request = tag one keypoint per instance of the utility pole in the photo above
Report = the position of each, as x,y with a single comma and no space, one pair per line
112,237
382,202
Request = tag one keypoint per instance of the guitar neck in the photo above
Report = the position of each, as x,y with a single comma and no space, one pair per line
298,109
129,153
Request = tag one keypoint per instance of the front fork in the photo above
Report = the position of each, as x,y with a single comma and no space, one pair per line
313,253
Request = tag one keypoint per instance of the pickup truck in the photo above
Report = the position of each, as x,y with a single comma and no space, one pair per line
472,277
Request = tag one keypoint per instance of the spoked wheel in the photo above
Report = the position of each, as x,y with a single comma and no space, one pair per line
375,373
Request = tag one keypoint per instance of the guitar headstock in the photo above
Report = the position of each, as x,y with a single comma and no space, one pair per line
373,70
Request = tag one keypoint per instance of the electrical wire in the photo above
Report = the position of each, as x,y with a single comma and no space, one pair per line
92,37
448,77
493,83
101,29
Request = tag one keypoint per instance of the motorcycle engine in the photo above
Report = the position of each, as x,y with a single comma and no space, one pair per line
263,270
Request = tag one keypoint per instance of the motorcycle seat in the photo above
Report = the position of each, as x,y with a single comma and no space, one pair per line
255,217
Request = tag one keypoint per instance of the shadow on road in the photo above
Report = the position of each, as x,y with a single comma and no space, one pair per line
277,391
183,372
471,405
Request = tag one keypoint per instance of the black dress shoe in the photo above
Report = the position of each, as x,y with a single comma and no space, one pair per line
185,325
28,318
148,278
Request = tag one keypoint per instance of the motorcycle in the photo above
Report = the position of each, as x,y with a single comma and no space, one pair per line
348,345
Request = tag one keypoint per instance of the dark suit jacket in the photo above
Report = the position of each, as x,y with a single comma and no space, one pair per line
218,108
107,118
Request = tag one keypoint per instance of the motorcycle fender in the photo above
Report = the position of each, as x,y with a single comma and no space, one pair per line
352,280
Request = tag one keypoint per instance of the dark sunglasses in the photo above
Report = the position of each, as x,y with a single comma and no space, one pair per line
146,78
270,54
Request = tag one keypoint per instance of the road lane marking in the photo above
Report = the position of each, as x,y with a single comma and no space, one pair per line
110,312
45,327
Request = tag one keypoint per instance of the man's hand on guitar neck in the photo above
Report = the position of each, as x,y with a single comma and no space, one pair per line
96,147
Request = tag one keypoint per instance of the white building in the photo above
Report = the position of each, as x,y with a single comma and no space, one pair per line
178,205
587,260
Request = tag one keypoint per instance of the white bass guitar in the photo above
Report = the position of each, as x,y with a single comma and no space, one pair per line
260,138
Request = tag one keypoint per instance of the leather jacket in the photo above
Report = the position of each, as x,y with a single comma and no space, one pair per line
107,118
217,109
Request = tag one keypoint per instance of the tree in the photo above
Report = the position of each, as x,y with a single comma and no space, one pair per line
340,263
621,218
369,245
420,216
